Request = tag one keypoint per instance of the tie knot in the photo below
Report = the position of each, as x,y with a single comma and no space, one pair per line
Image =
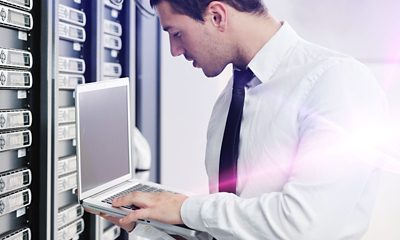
242,77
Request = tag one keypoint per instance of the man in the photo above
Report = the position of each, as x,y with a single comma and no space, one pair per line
299,159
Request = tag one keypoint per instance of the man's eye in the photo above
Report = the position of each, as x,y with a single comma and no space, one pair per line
177,35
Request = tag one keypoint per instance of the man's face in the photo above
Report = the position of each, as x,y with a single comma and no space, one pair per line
199,42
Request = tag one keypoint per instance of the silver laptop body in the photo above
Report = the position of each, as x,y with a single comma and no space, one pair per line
104,152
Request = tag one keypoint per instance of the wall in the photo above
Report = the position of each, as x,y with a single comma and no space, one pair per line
187,97
365,29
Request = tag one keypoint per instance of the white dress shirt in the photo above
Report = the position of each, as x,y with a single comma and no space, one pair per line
306,167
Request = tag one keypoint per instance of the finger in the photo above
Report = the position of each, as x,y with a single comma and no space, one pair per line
91,211
124,200
109,218
116,221
134,198
135,215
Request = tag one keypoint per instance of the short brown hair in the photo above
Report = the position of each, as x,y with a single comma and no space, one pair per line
195,8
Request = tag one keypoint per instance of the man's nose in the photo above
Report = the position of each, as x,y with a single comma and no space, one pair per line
176,49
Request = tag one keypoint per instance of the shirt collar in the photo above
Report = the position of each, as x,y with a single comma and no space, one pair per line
267,60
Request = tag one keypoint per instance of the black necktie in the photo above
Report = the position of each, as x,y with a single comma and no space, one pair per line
230,142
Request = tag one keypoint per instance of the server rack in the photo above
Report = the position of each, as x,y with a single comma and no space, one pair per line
70,53
46,49
19,118
93,41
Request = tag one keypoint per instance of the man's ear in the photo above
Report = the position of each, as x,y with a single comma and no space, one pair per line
217,14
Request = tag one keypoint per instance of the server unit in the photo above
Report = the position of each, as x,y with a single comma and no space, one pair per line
112,33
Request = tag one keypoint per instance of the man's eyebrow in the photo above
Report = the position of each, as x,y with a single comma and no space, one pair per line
166,28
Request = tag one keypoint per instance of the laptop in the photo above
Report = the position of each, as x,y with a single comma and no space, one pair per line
104,151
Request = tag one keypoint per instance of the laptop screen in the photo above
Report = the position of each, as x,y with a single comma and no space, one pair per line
103,133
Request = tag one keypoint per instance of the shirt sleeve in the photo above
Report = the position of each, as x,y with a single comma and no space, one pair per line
330,191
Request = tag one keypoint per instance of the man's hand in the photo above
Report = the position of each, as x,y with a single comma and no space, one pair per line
115,220
161,206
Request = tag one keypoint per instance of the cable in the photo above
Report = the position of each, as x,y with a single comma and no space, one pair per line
143,10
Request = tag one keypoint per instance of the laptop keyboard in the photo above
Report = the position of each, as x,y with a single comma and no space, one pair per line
136,188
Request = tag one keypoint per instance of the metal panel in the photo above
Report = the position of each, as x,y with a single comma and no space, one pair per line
148,85
19,114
